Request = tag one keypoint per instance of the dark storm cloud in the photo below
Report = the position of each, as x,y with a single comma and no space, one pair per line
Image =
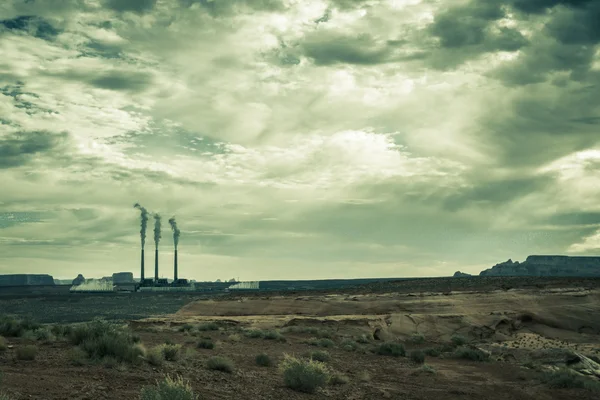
137,6
361,49
541,6
575,218
36,26
18,148
231,7
123,80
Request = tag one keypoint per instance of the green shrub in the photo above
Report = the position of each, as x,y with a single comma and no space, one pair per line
220,364
274,335
304,376
44,335
234,338
27,353
467,353
325,343
171,351
391,349
77,357
429,369
61,330
322,356
264,360
186,327
458,340
11,327
168,389
155,356
348,345
3,344
100,339
339,379
565,378
206,344
254,334
417,356
417,338
208,326
363,339
432,352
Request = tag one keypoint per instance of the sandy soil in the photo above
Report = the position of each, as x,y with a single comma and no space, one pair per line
511,324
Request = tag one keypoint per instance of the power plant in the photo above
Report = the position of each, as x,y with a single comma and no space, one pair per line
150,284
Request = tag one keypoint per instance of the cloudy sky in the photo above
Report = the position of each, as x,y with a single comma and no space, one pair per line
296,138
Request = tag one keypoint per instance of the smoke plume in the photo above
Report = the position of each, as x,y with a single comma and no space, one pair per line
176,231
156,229
144,214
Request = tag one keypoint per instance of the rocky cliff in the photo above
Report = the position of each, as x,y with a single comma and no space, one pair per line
547,266
459,274
25,280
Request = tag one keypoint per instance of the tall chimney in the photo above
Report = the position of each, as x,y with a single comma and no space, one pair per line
175,274
156,265
142,273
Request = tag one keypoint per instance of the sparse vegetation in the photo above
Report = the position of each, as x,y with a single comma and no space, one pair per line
254,334
264,360
172,352
155,356
417,356
168,389
417,338
77,357
348,345
391,349
304,376
566,378
274,335
467,353
339,379
458,340
220,364
208,326
186,328
234,338
321,342
27,353
13,327
363,339
429,369
3,344
432,352
319,355
206,344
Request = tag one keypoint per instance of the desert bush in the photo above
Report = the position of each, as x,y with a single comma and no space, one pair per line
186,327
432,352
77,357
319,355
3,344
208,326
234,338
27,353
348,345
467,353
339,379
254,333
458,340
417,356
429,369
4,396
100,339
10,327
168,389
44,335
417,338
206,344
391,349
304,376
565,378
172,352
363,339
110,362
220,364
274,335
324,343
155,356
264,360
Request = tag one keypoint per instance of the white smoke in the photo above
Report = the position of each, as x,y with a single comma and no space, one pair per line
93,286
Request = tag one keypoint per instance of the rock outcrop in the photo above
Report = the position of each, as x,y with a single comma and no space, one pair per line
564,266
459,274
26,280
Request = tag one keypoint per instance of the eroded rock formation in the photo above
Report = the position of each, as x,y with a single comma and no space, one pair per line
26,280
547,266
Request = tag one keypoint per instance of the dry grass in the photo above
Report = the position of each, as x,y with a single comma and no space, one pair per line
304,375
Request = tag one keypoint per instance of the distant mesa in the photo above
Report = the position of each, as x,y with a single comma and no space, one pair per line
563,266
26,280
459,274
80,280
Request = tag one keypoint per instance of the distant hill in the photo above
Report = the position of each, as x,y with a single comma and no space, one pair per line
26,280
536,265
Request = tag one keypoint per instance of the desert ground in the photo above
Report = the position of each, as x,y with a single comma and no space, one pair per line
515,341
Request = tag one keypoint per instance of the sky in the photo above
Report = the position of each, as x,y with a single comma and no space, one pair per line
297,139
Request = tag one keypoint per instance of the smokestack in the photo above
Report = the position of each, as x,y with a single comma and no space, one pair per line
175,274
156,241
176,233
144,222
142,274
